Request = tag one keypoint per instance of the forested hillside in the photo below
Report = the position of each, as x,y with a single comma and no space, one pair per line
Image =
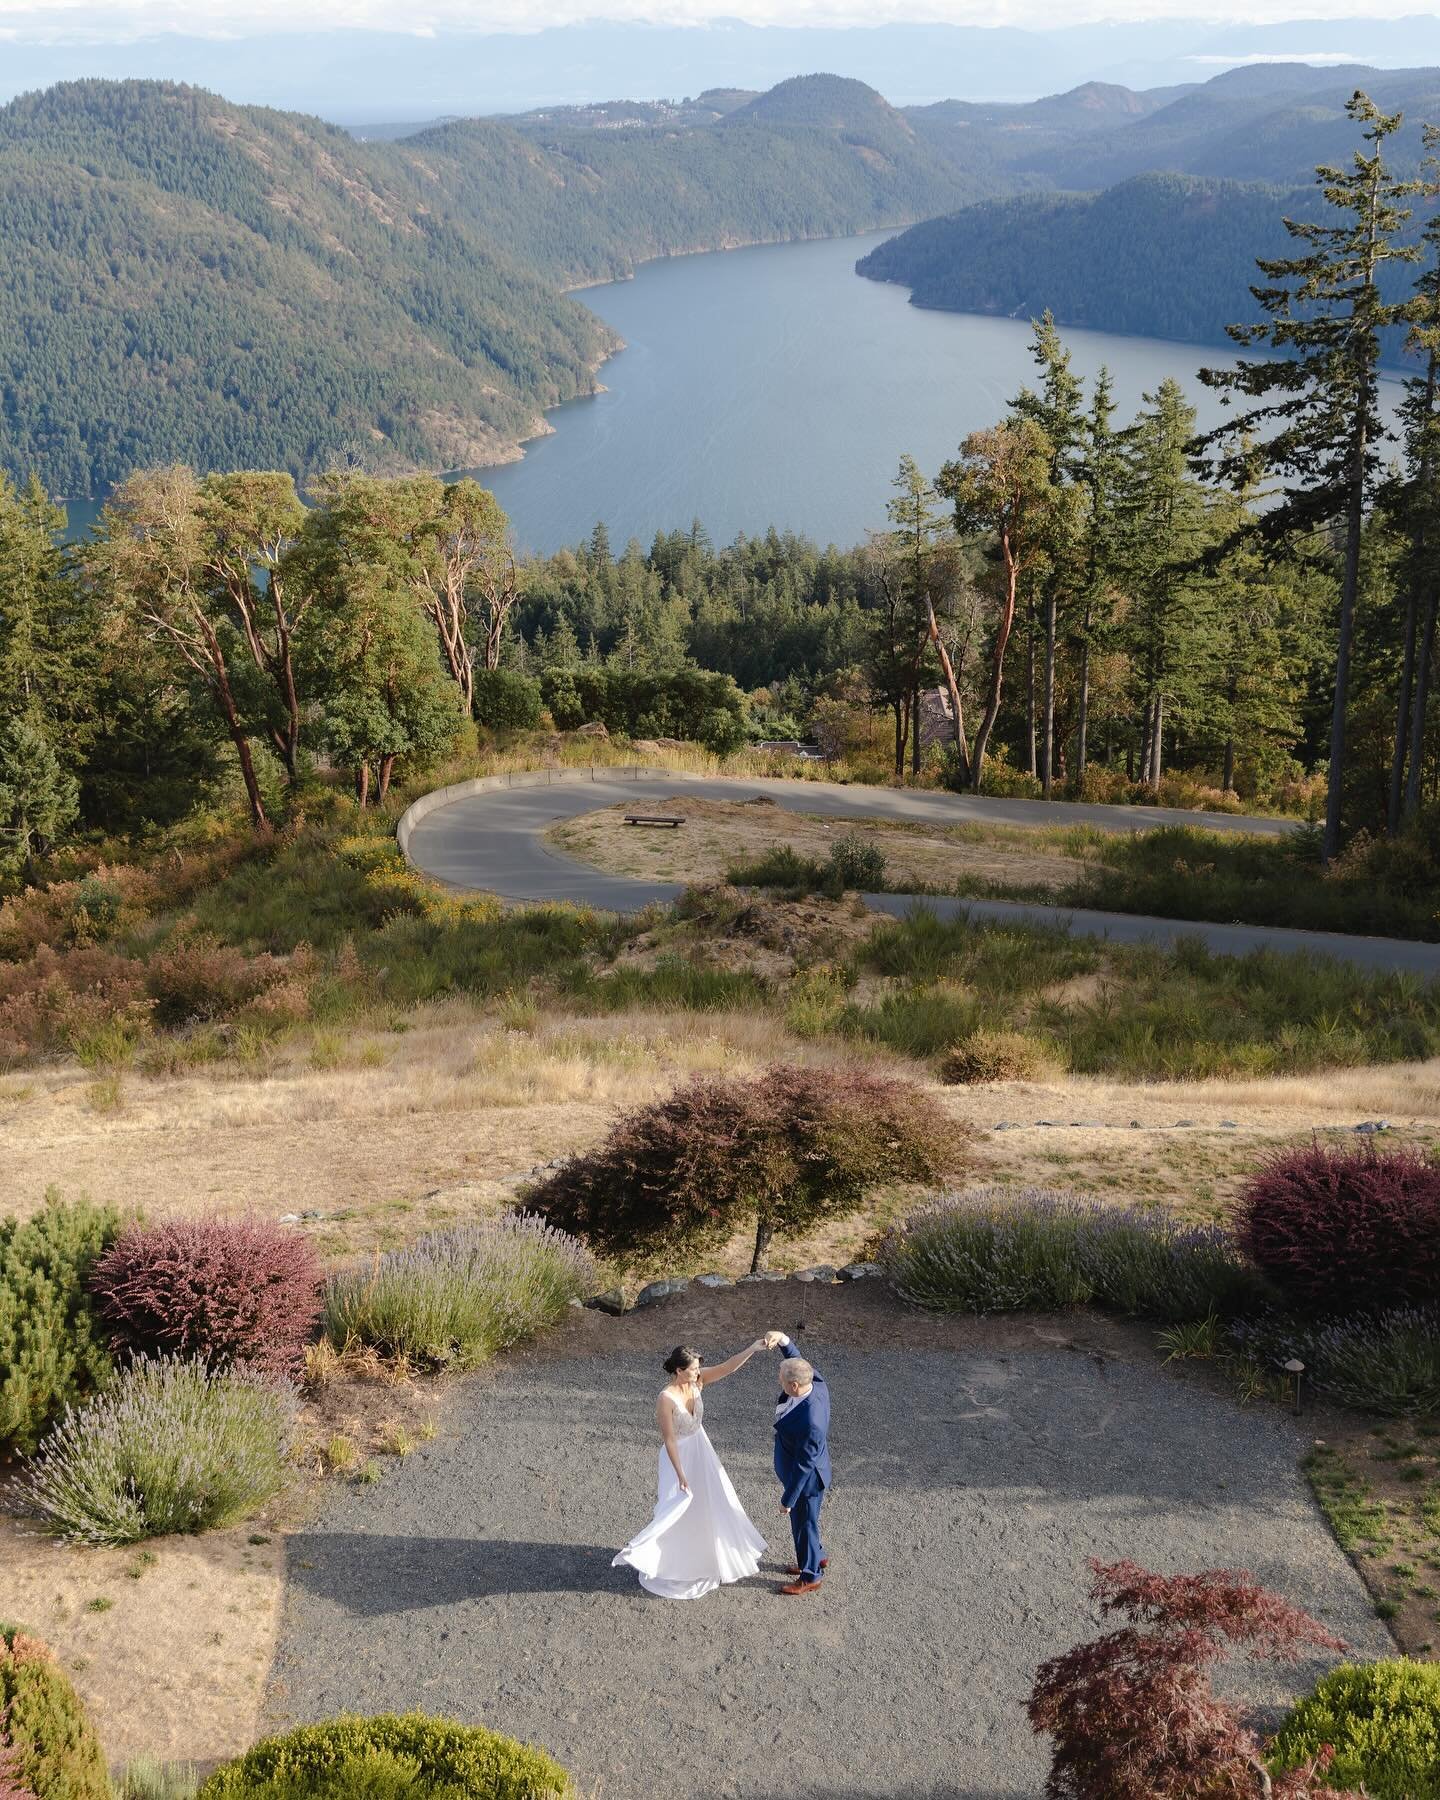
188,280
1166,256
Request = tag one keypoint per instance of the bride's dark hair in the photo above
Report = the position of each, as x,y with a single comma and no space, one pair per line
680,1358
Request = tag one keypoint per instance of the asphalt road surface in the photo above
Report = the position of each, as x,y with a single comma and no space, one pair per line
494,841
977,1465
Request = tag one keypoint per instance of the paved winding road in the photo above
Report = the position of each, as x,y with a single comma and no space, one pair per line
978,1463
493,840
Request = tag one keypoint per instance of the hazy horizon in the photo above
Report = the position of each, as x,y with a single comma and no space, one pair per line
358,76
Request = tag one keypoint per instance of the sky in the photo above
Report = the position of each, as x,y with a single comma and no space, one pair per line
119,21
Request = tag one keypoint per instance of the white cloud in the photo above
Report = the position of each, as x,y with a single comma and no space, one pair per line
98,21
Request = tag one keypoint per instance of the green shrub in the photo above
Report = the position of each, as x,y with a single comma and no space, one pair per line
995,1249
166,1448
52,1351
453,1298
856,863
407,1753
987,1056
147,1779
54,1750
506,701
1383,1720
1384,1362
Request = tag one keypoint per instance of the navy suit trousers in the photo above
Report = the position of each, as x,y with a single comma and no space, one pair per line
805,1529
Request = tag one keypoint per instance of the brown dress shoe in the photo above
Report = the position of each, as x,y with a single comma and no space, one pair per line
800,1587
824,1564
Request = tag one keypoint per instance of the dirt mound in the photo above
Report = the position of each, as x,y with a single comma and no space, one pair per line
726,928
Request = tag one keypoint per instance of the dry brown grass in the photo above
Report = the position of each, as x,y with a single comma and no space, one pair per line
718,833
176,1665
439,1120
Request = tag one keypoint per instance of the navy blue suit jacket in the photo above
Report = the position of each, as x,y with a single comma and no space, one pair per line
802,1449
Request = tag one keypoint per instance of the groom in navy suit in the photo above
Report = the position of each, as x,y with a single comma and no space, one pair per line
802,1461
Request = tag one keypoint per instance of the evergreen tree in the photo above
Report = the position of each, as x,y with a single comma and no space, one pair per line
1418,507
1058,409
1326,316
39,799
1165,533
1100,473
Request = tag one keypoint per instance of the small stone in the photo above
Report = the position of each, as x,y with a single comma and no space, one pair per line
661,1290
861,1271
713,1281
822,1272
576,1301
1135,1125
612,1301
1374,1125
1184,1124
1047,1121
1002,1126
1228,1125
760,1275
289,1218
312,1215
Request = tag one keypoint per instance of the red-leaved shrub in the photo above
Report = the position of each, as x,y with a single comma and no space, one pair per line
1133,1715
195,977
1340,1230
781,1151
233,1291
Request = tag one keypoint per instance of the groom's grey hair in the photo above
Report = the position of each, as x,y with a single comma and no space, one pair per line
796,1369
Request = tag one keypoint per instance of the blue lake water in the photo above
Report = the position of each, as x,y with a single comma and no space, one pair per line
775,386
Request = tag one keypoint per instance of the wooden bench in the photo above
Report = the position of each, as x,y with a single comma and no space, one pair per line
661,819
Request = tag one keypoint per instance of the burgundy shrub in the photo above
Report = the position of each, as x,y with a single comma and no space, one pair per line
1339,1230
1133,1715
779,1152
229,1290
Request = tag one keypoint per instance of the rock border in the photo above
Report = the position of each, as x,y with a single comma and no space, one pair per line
670,1287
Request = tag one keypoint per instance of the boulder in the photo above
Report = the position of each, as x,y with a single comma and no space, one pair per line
713,1281
595,729
646,746
612,1301
661,1290
861,1271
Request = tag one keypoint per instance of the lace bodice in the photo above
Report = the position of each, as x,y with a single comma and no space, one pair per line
687,1423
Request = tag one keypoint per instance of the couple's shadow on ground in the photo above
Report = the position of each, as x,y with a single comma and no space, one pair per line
371,1577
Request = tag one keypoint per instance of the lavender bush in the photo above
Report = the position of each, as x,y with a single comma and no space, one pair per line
996,1249
455,1297
168,1448
1384,1362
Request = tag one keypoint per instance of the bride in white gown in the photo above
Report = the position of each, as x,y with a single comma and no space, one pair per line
699,1536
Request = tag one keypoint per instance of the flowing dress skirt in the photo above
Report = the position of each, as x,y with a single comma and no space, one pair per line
695,1541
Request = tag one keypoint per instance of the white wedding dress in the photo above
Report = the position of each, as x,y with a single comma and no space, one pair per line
699,1540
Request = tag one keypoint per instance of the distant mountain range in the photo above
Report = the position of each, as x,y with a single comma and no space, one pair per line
1156,254
356,75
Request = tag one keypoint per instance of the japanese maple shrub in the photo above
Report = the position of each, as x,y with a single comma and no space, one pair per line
780,1151
1339,1230
230,1291
1133,1716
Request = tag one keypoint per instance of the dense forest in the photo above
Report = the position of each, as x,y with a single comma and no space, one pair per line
232,286
1169,256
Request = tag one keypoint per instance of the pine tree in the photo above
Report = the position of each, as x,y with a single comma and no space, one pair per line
1059,412
39,798
1418,507
1325,307
1165,533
